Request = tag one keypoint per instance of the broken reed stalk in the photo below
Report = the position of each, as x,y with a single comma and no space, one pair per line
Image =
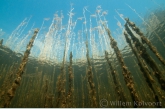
61,100
126,73
16,83
90,79
118,87
142,51
143,67
145,40
70,90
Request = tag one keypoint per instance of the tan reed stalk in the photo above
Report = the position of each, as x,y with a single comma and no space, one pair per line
46,94
126,73
90,80
142,51
83,96
16,83
61,100
143,68
145,40
118,88
8,79
70,90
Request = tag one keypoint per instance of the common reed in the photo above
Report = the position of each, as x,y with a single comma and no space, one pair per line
142,51
16,83
126,73
69,97
7,82
143,67
145,40
46,94
1,42
48,97
118,88
61,99
92,90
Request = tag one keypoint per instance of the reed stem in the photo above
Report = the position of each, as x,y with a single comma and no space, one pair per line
143,68
118,87
1,42
126,73
142,51
146,41
16,83
70,90
90,80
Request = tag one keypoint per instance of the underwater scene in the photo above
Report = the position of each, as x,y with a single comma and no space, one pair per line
82,53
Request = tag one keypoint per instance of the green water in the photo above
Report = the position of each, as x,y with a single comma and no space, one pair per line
31,92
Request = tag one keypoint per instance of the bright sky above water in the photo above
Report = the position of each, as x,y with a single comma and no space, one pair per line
15,11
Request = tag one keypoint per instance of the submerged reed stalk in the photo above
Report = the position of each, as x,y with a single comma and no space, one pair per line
90,80
46,94
1,42
61,100
145,40
48,97
142,51
70,90
16,83
118,87
7,82
126,73
143,68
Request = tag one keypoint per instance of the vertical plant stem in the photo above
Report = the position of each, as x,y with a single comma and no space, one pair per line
90,80
143,68
118,87
70,90
16,83
126,73
146,41
142,50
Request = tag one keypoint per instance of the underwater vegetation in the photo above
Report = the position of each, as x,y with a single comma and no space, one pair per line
57,67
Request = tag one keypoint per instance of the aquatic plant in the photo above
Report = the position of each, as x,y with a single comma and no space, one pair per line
126,73
69,98
118,88
143,67
92,90
16,83
103,67
142,51
1,42
61,98
145,40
